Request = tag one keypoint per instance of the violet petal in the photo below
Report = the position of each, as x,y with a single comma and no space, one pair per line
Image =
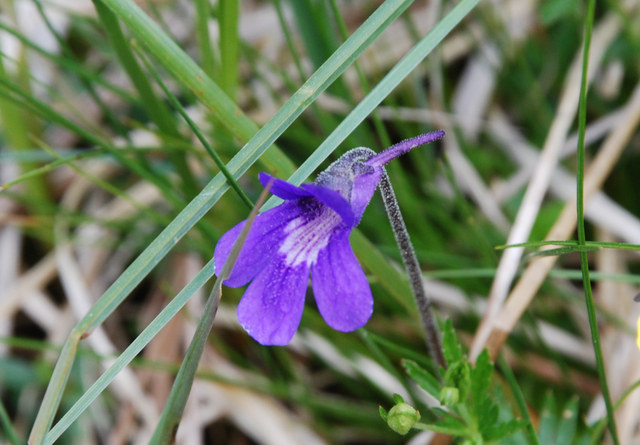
333,200
265,235
271,308
364,186
282,188
340,287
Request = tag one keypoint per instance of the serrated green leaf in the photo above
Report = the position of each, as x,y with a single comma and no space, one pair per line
451,347
480,382
487,415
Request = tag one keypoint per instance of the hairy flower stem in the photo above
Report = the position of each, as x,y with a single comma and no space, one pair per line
413,269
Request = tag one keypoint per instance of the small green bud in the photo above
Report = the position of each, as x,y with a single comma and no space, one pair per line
458,375
449,396
402,417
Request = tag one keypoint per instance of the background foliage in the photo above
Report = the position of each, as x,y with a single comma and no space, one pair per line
131,137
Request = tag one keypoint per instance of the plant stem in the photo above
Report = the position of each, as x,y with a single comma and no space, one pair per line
413,270
584,261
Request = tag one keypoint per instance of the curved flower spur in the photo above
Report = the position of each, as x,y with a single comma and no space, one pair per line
309,231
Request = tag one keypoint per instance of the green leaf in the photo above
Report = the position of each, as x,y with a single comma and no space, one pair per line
486,415
568,423
7,428
453,424
497,432
451,347
422,377
480,382
552,11
548,421
229,12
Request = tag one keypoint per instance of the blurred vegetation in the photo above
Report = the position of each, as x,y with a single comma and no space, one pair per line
102,181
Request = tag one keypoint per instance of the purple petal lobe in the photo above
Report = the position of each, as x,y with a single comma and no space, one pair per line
340,287
364,186
333,200
403,147
271,308
265,236
281,188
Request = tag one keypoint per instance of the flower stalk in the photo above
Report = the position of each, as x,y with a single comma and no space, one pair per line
412,266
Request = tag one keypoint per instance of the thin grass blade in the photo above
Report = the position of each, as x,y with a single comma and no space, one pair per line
173,409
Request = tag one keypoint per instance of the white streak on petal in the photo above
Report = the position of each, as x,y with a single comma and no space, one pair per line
305,238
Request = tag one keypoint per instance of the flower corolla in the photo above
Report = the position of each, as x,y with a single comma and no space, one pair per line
309,233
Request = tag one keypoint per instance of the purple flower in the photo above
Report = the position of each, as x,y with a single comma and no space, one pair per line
309,232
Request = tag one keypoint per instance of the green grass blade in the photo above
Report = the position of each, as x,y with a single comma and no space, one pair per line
50,166
600,426
86,83
394,282
16,125
289,39
228,15
55,389
7,429
315,29
399,72
189,74
196,131
584,260
205,49
383,135
154,107
529,430
13,92
174,407
70,65
186,71
136,346
588,245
